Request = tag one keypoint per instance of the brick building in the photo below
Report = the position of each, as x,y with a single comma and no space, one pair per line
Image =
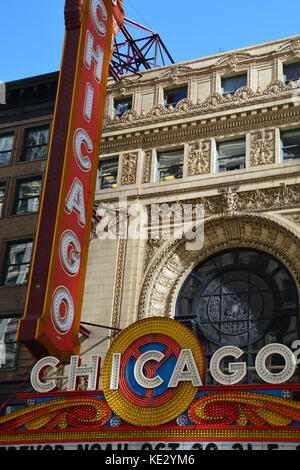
25,122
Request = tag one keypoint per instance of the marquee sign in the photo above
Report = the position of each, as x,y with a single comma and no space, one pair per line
164,348
155,397
51,320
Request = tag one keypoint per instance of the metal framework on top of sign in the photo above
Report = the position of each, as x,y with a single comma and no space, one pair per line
51,320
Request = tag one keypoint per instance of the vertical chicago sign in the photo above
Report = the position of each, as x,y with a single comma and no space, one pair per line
51,320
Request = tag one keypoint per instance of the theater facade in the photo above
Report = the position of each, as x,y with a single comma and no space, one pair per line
191,298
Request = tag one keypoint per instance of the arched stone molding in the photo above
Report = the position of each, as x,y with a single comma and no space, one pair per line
172,263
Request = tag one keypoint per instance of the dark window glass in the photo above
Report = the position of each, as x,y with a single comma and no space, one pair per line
28,195
231,84
291,72
36,143
290,145
120,106
173,96
170,164
17,263
108,174
6,143
8,343
240,297
231,155
2,195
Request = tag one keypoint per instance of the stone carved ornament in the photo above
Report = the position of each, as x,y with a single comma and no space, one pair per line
291,47
129,166
231,61
199,157
262,147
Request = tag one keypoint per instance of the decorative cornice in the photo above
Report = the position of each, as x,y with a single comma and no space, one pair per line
231,61
214,103
272,179
240,122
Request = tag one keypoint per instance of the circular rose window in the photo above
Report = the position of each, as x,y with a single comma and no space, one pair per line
240,297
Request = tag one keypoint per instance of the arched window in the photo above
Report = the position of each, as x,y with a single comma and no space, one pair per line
240,297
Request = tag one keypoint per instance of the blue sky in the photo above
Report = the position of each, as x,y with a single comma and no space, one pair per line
32,31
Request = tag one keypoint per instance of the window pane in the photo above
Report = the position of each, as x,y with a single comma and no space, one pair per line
231,155
6,143
36,142
8,343
17,263
2,195
28,196
108,173
291,72
231,84
290,145
172,97
120,106
170,165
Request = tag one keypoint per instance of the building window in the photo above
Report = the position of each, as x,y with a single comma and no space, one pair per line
28,195
122,105
231,155
17,263
291,72
290,145
108,174
174,95
8,342
240,297
2,196
6,143
170,164
229,85
36,143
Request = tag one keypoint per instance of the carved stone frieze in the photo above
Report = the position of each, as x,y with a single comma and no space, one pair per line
256,200
128,116
242,94
212,101
184,105
232,61
292,47
276,87
262,147
230,201
199,157
215,102
129,166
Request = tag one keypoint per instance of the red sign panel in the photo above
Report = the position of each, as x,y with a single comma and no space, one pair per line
52,314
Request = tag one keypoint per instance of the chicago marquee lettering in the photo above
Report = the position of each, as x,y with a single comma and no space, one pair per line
185,369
